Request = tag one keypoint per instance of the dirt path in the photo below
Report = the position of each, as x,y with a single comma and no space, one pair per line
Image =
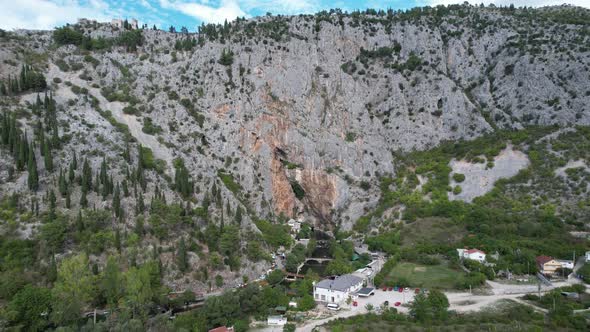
116,108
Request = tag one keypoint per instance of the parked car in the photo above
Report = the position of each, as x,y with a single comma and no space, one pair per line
397,304
407,289
386,303
333,306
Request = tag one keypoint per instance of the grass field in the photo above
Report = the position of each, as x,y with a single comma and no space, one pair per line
426,276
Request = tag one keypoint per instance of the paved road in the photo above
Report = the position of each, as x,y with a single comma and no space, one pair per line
459,301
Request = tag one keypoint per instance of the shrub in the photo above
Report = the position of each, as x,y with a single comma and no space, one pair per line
67,36
458,177
350,136
297,189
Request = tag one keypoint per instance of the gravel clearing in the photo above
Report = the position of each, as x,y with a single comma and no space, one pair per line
479,180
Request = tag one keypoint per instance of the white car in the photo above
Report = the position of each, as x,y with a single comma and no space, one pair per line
333,306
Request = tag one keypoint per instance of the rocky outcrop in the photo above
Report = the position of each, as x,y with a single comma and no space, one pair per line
321,102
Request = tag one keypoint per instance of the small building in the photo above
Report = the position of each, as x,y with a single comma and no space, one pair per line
566,264
587,256
222,329
473,254
276,320
547,265
281,310
292,304
337,290
134,24
117,22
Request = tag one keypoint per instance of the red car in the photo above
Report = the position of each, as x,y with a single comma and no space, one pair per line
401,290
390,289
384,288
397,304
417,291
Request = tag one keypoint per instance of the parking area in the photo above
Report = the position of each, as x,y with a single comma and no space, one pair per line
392,297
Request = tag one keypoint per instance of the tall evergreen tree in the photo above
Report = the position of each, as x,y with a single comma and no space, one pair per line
86,176
33,176
47,157
181,256
62,184
238,215
52,204
117,201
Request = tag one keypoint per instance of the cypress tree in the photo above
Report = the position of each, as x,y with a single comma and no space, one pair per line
68,199
62,184
117,201
238,215
52,270
86,176
52,204
75,161
181,256
97,183
33,176
71,174
23,152
118,240
79,222
48,157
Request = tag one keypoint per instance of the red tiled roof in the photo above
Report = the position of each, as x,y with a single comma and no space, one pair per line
221,329
472,251
543,259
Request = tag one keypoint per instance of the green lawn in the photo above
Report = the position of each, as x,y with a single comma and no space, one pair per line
425,276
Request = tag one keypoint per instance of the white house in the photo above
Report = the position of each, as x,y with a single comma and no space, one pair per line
276,320
473,254
565,264
337,290
587,256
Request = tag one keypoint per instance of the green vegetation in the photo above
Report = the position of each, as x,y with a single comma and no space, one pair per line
584,272
433,317
226,58
515,216
424,276
274,234
28,80
228,181
297,189
458,177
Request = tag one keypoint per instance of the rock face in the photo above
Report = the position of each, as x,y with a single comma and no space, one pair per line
311,107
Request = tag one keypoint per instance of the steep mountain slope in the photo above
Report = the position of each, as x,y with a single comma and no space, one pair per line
278,117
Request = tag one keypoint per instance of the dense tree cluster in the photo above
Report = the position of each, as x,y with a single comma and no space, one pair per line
28,80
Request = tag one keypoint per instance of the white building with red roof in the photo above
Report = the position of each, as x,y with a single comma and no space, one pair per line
473,254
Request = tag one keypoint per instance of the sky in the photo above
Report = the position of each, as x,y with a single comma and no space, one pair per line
47,14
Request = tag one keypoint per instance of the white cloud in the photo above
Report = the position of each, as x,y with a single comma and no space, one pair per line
47,14
518,3
282,6
227,10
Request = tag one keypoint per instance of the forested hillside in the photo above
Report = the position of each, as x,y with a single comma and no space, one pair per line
136,163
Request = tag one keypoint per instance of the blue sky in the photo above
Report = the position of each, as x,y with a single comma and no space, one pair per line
46,14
